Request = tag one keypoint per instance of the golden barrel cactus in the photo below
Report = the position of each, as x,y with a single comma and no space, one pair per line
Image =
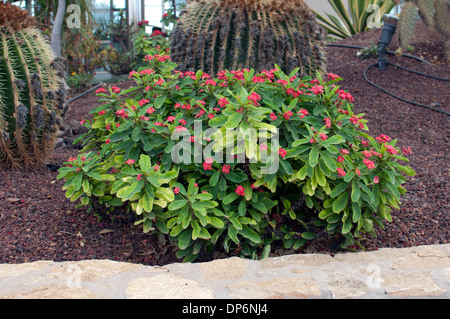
31,91
214,35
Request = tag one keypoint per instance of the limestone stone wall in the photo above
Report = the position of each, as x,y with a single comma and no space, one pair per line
417,272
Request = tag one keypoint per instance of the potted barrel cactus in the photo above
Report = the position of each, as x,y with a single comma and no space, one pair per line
31,91
213,35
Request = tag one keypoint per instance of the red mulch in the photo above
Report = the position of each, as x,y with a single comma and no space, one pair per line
37,222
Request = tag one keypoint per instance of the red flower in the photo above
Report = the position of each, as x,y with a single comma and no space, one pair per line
317,89
240,190
370,164
254,97
390,149
341,172
226,169
407,151
323,136
376,179
223,101
115,89
287,115
282,152
383,138
176,190
273,117
303,113
340,159
130,161
332,76
101,90
143,102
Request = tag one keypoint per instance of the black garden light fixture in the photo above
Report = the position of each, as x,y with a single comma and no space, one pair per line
389,28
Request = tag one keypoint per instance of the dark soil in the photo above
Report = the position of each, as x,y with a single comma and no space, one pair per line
37,222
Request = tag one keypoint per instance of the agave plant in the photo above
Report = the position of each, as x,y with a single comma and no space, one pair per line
355,19
214,35
31,91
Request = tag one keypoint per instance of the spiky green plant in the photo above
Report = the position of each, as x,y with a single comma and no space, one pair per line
353,17
31,91
213,35
434,13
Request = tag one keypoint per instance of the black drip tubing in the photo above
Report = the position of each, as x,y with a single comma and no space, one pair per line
398,66
84,93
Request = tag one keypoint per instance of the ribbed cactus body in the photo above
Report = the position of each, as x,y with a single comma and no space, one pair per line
434,13
214,35
407,23
31,93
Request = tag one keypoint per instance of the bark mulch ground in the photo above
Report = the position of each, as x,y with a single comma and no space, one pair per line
37,222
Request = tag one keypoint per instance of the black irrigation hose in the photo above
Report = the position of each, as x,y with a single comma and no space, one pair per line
388,52
396,96
420,73
386,91
84,93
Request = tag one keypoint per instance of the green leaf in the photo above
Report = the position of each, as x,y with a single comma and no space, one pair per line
76,183
132,189
204,234
259,206
335,139
313,156
356,192
218,121
320,177
165,193
339,189
236,223
177,204
160,101
162,227
230,198
248,233
329,161
234,120
347,226
266,251
184,239
308,235
356,212
195,229
214,179
325,213
340,203
145,163
216,222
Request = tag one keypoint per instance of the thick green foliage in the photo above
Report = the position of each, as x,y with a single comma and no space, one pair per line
244,162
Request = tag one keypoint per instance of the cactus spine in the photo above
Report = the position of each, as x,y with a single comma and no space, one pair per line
434,13
213,35
31,91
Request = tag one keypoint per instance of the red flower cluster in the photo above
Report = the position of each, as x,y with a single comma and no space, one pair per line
142,23
240,190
